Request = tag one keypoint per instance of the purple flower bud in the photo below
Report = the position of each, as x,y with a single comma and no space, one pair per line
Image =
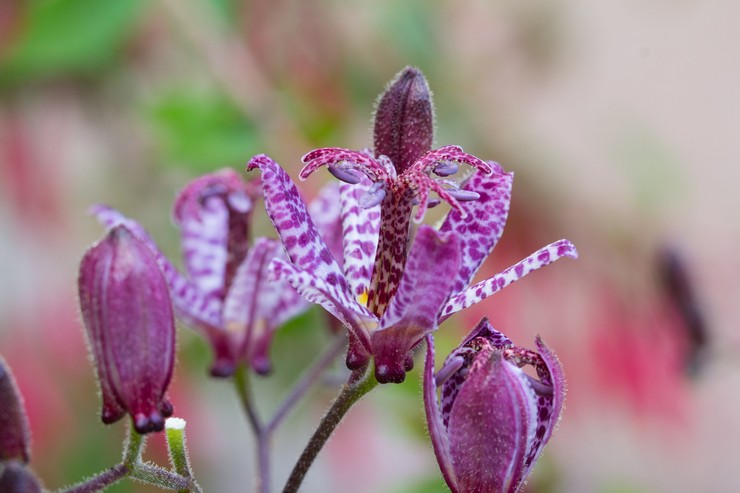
127,312
16,478
404,119
493,419
14,436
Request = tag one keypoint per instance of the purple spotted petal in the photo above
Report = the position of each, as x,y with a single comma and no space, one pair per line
484,289
549,405
316,290
297,232
491,425
191,305
437,429
325,211
205,241
213,213
256,305
360,228
483,225
412,312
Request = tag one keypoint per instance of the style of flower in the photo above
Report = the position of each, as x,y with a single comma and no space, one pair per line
225,293
128,315
391,292
493,419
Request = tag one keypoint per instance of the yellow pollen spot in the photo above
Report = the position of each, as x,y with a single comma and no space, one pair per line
362,298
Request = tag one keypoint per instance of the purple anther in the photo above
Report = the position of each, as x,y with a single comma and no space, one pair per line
345,174
446,168
374,195
463,195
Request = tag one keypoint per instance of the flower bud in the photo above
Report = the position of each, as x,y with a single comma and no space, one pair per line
128,315
404,119
14,436
493,419
17,478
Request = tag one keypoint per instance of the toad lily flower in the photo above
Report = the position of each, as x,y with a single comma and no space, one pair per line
128,315
494,419
390,292
225,294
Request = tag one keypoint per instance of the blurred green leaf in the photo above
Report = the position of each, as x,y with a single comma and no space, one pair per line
428,485
204,132
69,36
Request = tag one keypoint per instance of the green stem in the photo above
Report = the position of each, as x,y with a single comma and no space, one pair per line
357,386
262,434
175,432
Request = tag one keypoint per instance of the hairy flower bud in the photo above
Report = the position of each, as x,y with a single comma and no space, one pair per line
404,119
128,315
17,478
493,419
14,436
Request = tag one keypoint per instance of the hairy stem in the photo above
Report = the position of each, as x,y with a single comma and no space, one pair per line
358,385
243,388
307,381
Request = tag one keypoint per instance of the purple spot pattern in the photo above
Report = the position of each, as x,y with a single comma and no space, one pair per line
259,305
213,213
482,227
325,211
478,292
360,228
319,291
540,411
401,191
298,234
412,313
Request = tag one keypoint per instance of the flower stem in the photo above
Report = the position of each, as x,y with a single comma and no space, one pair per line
357,386
262,435
338,345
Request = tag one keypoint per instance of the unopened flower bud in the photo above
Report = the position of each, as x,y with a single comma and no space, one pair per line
14,436
128,315
404,119
17,478
493,419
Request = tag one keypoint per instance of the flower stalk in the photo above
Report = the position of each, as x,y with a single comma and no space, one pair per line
360,383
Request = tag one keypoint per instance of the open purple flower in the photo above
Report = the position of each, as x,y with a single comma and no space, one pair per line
130,326
493,419
390,291
225,293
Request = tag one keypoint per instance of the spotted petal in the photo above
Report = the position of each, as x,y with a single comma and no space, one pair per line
325,210
304,245
484,289
256,305
437,429
549,407
360,228
412,312
483,225
316,290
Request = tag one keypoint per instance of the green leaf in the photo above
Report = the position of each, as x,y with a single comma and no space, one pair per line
204,132
63,37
